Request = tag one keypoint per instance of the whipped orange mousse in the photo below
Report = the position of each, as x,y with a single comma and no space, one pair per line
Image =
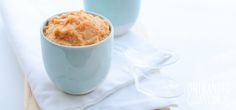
76,29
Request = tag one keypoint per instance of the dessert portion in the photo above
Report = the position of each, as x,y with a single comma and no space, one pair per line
76,29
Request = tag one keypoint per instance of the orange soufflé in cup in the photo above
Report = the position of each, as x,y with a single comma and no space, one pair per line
76,29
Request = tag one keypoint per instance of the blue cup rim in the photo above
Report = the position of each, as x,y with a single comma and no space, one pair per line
85,46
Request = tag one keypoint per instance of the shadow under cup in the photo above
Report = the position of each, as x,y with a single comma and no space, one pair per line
77,69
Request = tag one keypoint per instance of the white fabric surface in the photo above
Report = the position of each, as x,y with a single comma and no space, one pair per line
23,19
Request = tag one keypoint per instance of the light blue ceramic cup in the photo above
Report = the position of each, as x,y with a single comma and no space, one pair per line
122,13
77,69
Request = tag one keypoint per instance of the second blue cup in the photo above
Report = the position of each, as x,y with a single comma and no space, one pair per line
122,13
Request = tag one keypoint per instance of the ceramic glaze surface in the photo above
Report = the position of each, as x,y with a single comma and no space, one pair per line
77,69
120,12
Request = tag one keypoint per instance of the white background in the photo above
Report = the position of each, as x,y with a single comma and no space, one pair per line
11,80
202,32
